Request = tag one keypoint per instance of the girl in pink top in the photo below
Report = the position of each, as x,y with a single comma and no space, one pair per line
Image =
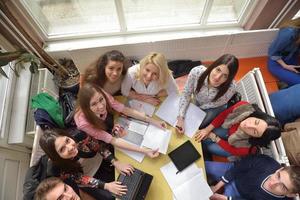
94,116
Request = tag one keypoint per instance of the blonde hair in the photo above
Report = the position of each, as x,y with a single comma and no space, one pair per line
160,61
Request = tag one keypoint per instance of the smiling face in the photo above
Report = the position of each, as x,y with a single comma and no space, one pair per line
253,126
218,75
98,105
62,192
279,183
65,147
113,70
150,72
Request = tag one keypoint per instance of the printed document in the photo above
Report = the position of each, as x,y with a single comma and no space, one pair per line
157,138
188,184
168,111
146,108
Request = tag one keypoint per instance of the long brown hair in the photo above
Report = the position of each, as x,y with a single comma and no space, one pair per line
231,62
86,92
96,74
47,143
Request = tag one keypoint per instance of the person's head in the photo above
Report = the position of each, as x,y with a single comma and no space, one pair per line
53,189
262,128
220,74
110,67
285,181
59,147
93,102
295,23
154,67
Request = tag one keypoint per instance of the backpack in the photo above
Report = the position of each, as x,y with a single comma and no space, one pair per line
34,176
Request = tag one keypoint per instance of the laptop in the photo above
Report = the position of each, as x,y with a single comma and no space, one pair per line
137,185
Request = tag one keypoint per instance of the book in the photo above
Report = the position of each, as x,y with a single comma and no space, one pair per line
184,155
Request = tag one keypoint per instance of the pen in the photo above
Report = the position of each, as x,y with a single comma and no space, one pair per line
179,128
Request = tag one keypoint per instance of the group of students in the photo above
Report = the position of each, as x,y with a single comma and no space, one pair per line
237,130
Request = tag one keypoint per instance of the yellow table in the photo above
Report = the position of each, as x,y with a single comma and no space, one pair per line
159,188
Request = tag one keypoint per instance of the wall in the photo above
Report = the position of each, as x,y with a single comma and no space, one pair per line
242,44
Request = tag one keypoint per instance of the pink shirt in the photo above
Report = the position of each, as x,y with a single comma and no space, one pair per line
84,125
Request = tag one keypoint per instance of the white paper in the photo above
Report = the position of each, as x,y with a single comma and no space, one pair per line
188,184
157,138
174,180
195,188
146,108
137,127
168,111
133,154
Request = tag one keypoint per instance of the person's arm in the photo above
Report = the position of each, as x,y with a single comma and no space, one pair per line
291,68
124,168
141,116
186,96
203,133
119,142
153,100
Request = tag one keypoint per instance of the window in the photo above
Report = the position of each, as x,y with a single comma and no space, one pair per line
3,98
81,18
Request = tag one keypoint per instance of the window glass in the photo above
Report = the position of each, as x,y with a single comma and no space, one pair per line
61,17
3,93
159,13
226,10
297,15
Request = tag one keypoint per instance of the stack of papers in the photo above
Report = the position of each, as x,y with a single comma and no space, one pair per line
143,107
188,184
168,111
142,134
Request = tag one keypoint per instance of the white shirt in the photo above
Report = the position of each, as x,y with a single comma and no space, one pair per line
153,88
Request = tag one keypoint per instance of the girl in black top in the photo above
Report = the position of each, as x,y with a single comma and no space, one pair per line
65,151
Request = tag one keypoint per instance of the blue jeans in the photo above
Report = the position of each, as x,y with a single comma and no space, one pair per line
291,78
211,114
214,148
288,111
218,169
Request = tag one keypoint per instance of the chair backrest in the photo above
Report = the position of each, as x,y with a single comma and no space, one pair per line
252,88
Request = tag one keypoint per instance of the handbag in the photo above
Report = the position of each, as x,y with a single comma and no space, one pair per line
68,104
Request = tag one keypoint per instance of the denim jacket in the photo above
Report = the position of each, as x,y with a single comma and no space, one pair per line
284,46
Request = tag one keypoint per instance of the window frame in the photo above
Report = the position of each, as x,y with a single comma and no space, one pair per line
245,13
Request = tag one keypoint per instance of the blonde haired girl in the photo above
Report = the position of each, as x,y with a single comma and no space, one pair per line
149,80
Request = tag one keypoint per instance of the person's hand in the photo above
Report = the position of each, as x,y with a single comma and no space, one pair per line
217,196
180,125
152,153
116,188
201,134
159,123
124,168
292,68
118,131
152,100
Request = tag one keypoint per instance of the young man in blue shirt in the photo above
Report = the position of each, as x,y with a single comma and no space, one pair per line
255,177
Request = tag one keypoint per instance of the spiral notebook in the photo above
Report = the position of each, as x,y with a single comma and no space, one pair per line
184,155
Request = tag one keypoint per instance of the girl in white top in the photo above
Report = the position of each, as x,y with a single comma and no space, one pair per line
149,80
210,87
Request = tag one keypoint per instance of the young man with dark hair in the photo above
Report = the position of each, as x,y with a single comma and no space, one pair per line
255,177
